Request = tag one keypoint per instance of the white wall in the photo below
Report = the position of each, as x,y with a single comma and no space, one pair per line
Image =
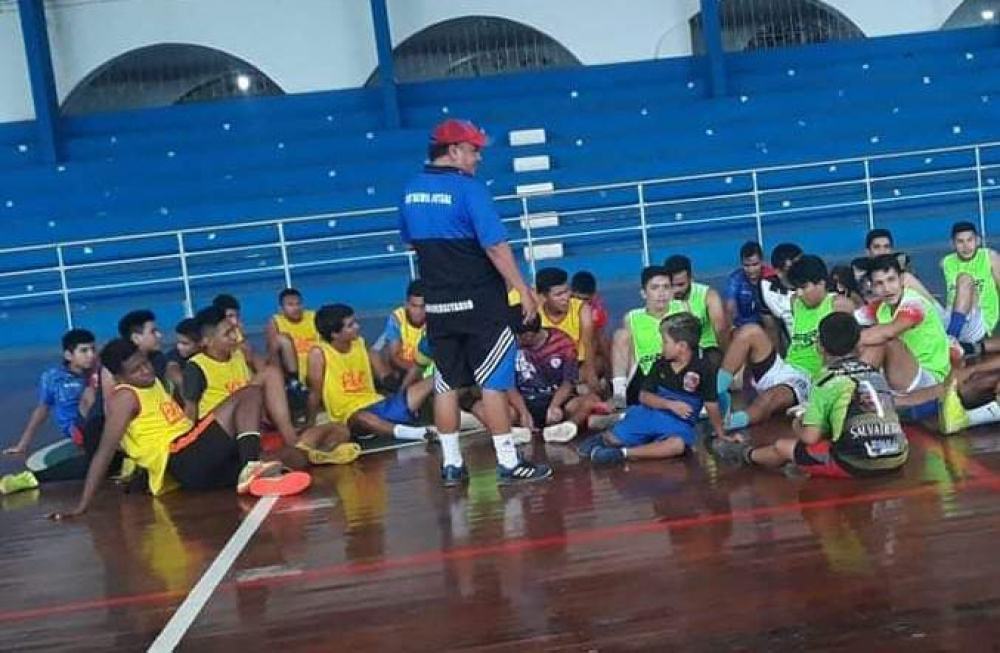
15,89
310,45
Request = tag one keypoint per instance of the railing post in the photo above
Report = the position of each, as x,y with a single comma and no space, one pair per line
756,211
868,196
284,255
411,259
642,225
526,219
64,287
188,304
979,190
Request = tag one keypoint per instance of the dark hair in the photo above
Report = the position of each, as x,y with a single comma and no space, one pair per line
437,150
287,292
839,333
517,322
808,269
884,263
862,263
226,302
878,233
584,283
676,264
751,248
843,276
189,328
548,278
330,319
134,322
415,289
962,227
76,337
208,318
784,253
682,327
116,352
651,271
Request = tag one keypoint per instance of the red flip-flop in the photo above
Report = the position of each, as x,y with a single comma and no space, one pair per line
285,485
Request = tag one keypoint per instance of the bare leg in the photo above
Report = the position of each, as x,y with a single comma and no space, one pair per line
966,297
417,394
621,353
899,366
240,413
287,357
775,455
769,402
750,344
325,437
578,410
671,447
446,412
496,416
271,380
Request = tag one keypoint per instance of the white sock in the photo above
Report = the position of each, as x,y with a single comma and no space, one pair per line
404,432
451,449
987,414
619,385
506,451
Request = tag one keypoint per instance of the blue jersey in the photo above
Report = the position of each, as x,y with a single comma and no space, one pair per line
60,390
450,220
740,290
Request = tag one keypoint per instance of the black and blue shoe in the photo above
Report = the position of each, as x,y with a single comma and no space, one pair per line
602,455
524,472
589,444
454,475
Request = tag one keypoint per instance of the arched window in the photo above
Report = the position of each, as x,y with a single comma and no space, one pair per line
766,24
166,74
974,13
476,46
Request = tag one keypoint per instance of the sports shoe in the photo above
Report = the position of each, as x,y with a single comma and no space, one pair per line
342,454
732,452
618,402
796,411
520,435
11,483
606,455
562,432
589,443
602,422
952,416
454,475
253,470
524,472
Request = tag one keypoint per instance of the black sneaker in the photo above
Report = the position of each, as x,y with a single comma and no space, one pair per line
454,475
730,452
524,472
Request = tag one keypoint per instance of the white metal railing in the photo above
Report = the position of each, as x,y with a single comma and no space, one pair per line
750,205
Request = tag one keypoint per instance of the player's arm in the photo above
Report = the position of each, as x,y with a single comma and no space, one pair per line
656,402
38,417
516,402
193,387
717,316
315,374
906,318
123,406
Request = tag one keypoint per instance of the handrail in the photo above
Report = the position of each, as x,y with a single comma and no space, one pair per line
736,205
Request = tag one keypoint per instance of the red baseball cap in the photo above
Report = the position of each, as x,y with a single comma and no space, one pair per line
453,131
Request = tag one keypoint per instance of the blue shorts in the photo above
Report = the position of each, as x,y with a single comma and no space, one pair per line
643,425
393,409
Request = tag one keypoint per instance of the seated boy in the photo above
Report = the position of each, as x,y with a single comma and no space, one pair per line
678,385
66,391
340,378
850,427
583,286
221,450
188,344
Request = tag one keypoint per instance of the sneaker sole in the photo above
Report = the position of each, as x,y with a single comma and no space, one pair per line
560,438
285,485
520,481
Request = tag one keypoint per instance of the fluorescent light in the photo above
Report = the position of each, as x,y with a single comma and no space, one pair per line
243,82
988,14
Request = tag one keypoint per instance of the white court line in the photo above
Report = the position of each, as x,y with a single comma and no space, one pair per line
188,611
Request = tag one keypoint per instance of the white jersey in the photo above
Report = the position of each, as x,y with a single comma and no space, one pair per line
778,300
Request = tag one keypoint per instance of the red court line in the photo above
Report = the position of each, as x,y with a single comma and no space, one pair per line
506,548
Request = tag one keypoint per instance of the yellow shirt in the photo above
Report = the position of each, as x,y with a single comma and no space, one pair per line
409,334
303,334
570,324
347,382
222,379
147,439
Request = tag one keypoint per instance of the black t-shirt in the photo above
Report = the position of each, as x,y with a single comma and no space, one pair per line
694,384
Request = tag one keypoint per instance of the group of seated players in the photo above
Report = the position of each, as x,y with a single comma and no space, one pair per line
848,353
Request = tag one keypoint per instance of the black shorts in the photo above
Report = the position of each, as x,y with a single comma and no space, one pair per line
471,350
208,461
538,406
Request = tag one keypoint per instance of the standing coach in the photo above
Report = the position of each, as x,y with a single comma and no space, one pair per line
448,218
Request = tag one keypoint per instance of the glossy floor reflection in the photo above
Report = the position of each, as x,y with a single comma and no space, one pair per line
658,556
